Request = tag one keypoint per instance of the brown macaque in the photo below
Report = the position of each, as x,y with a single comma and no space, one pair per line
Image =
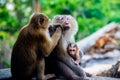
73,51
101,42
31,47
59,61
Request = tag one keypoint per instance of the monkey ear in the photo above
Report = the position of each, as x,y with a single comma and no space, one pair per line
41,20
78,49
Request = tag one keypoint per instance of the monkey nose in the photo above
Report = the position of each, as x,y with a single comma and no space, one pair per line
66,22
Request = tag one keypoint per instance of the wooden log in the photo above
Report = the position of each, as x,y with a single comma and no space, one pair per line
89,41
114,71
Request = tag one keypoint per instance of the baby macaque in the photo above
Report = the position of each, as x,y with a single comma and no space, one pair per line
75,53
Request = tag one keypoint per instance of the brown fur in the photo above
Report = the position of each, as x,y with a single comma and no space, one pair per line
32,45
101,42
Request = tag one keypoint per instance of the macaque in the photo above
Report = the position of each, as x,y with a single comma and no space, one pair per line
59,61
31,47
101,42
73,51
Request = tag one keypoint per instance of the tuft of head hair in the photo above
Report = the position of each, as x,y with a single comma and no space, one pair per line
72,44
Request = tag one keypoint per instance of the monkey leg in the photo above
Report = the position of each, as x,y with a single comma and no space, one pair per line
80,71
23,73
75,68
67,72
40,68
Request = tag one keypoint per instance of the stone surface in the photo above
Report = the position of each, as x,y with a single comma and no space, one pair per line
5,73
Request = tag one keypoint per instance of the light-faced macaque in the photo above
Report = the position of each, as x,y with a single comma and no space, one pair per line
59,61
73,51
32,45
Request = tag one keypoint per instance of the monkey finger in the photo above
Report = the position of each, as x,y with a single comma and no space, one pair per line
58,30
75,62
58,25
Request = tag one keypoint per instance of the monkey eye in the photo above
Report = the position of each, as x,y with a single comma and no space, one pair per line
62,18
72,50
57,18
68,19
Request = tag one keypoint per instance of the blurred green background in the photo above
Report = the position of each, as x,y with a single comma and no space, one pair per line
91,15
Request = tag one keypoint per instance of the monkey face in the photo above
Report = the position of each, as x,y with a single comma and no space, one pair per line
39,21
72,50
64,20
68,23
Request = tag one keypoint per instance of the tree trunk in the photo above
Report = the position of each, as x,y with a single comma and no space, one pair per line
36,6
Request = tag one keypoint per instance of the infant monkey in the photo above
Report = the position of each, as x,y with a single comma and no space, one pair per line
75,53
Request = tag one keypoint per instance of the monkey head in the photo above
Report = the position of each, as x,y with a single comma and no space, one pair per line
72,49
68,23
39,20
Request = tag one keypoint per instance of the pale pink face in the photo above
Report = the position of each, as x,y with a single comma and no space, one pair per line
72,50
64,20
68,23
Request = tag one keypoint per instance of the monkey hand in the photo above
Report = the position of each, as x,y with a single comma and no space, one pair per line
58,31
58,25
76,63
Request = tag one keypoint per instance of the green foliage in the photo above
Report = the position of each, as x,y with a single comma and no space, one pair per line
3,34
13,16
90,14
7,63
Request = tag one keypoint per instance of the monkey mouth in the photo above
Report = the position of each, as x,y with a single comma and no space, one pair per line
66,27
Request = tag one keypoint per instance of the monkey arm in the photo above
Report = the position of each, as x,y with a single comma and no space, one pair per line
53,41
77,58
81,53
